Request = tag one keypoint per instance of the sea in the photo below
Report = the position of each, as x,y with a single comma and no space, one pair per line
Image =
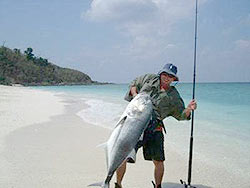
221,121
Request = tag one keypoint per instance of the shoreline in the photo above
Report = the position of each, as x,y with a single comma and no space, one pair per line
62,152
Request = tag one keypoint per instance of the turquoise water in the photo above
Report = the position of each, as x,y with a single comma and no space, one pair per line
224,103
222,120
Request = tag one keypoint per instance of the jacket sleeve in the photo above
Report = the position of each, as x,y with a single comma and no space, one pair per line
138,83
178,110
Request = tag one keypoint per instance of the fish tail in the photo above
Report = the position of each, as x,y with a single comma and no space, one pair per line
104,184
100,184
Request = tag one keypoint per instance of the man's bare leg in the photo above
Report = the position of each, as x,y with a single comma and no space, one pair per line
120,173
158,172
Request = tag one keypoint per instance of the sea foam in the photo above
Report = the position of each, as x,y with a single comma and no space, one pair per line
101,113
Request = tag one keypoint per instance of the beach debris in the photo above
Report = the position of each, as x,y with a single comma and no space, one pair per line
126,134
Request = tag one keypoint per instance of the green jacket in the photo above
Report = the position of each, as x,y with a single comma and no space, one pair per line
165,103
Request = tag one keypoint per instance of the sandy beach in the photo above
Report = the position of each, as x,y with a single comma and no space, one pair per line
45,144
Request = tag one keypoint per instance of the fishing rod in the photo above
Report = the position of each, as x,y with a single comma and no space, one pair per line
188,185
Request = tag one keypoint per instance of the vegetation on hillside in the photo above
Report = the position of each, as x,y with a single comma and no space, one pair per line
28,70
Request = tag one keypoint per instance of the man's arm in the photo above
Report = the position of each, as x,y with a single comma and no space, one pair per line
135,86
180,112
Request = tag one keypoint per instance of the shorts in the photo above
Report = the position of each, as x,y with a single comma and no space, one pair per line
153,149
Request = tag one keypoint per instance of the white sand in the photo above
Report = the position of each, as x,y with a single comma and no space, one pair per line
21,106
60,151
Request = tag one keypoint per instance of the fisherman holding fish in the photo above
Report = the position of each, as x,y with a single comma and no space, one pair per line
166,102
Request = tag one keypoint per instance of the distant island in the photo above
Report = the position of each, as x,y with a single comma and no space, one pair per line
28,70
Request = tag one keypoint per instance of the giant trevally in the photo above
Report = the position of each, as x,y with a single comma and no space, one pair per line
126,134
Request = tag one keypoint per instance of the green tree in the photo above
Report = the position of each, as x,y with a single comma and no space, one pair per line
29,53
17,51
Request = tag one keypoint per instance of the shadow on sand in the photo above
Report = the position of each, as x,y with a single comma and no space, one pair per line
176,185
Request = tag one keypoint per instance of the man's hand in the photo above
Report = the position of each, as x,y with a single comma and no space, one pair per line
191,106
133,91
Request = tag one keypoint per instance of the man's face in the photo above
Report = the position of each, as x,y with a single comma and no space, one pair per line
167,78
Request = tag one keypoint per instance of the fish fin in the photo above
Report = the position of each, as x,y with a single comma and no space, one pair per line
121,121
107,157
103,145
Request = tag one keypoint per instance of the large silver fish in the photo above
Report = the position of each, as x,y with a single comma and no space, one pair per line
126,134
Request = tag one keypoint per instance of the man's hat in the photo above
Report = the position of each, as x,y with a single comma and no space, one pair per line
170,69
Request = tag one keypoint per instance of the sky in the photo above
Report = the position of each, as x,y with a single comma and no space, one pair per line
118,40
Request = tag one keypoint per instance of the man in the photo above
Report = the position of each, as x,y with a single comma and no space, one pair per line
166,102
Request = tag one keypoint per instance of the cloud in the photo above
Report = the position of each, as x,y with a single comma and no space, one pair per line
245,20
232,62
146,24
138,10
142,20
139,14
120,10
242,44
147,29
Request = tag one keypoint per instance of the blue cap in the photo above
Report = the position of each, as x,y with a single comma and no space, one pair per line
170,69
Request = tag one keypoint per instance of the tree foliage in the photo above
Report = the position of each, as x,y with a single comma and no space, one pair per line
28,70
29,53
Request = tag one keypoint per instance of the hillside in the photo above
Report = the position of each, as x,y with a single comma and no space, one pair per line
26,69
